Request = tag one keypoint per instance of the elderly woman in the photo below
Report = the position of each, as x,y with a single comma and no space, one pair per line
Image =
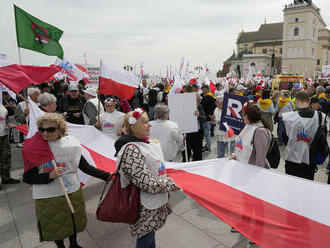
167,132
111,121
142,163
47,102
50,143
22,110
253,141
323,99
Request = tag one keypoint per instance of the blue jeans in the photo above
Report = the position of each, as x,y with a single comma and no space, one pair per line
146,241
207,133
280,130
151,112
222,148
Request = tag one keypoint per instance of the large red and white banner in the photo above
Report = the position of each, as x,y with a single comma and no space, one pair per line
117,82
17,77
268,207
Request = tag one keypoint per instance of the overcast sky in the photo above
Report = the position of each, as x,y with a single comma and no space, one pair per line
156,32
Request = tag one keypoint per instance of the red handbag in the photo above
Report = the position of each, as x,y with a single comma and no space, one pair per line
119,205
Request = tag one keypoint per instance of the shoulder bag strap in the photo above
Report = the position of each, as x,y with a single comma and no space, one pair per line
111,178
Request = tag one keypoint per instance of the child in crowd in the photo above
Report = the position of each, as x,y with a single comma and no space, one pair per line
225,145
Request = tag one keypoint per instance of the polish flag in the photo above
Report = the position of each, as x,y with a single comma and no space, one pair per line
117,82
17,77
270,208
229,130
210,84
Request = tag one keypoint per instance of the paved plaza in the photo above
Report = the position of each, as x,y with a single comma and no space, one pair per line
190,225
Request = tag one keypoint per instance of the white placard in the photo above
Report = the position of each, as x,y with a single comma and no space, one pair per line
326,71
182,111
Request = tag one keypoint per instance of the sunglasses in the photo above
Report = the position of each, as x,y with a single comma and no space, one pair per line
48,130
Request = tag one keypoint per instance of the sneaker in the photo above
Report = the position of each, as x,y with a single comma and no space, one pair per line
208,149
233,230
10,180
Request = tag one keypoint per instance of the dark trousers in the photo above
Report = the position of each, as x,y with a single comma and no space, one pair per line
146,241
194,146
300,170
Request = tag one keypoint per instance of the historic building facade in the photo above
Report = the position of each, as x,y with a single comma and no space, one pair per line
300,44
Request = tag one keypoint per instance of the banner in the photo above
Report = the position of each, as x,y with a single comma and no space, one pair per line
70,70
232,112
270,208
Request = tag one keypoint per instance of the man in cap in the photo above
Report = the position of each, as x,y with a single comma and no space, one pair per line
72,105
90,109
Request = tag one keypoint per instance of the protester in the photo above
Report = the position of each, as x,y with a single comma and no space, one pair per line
167,132
253,141
284,106
144,92
71,106
44,87
5,154
208,104
90,109
224,144
111,121
267,107
55,221
323,99
22,110
194,140
142,163
47,102
300,128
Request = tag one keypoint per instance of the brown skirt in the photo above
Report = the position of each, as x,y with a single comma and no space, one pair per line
55,221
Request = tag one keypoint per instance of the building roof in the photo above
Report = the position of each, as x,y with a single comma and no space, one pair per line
232,57
271,31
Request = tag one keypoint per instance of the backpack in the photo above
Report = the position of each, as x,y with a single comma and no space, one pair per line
319,149
273,154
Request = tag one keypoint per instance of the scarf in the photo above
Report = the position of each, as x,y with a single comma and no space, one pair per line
265,103
210,94
283,101
36,151
123,140
324,96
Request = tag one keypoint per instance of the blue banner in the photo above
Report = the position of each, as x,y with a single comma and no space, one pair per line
232,112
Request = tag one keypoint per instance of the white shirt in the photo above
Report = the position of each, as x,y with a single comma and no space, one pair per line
168,134
111,123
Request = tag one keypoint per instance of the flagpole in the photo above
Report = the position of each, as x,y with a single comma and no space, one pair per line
19,56
64,190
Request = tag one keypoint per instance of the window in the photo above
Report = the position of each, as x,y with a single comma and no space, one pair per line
281,51
296,31
253,64
297,20
264,51
318,62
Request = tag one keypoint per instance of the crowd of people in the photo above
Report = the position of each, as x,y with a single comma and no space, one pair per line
145,139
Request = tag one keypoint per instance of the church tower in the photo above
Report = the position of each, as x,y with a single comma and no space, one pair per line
301,27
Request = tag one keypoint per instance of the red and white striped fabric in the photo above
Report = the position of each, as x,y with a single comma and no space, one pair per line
17,77
117,82
270,208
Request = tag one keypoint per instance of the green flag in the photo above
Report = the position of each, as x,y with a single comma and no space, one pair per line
37,35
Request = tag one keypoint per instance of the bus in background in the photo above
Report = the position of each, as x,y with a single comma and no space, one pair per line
287,82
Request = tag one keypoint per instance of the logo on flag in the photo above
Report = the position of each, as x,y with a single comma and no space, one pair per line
40,33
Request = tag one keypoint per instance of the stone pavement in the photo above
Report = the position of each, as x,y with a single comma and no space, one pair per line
190,225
